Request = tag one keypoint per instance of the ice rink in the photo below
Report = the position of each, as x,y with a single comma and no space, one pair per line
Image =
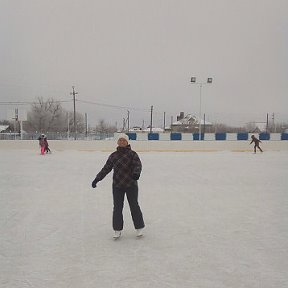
213,220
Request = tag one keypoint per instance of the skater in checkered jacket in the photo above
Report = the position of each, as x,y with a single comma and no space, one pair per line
127,167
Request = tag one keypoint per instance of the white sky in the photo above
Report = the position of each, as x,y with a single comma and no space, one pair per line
140,53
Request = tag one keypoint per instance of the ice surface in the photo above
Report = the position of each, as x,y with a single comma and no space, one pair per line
213,219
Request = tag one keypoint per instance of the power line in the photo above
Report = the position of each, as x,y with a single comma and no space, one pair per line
15,103
77,100
85,102
112,106
27,102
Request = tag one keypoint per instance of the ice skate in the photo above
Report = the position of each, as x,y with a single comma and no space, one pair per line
139,232
117,234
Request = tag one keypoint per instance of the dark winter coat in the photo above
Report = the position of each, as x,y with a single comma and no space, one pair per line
42,142
46,142
127,167
256,141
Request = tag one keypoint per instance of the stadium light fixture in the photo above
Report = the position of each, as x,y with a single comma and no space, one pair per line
193,81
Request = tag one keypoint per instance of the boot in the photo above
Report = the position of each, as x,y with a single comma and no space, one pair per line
117,234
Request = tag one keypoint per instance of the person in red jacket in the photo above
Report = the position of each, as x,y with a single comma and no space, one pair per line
42,144
47,149
256,143
127,168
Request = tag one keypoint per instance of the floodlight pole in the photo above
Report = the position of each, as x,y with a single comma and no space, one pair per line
193,81
200,112
151,119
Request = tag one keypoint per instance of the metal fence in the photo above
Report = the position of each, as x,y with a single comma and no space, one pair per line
57,136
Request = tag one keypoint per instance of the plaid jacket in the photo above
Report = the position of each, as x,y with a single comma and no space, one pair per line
125,162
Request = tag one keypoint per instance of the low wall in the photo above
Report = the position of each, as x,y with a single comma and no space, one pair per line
109,145
177,136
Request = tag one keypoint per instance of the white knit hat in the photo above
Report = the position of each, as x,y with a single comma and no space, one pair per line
123,136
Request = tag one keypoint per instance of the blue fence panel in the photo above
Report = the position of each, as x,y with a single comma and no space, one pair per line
220,136
153,136
242,136
284,136
175,136
132,136
196,136
264,136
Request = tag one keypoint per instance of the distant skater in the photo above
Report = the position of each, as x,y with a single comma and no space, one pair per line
127,167
47,149
42,144
256,143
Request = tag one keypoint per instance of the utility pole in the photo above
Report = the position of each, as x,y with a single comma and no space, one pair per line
15,122
128,121
124,125
204,123
74,100
86,124
274,125
164,124
68,126
151,119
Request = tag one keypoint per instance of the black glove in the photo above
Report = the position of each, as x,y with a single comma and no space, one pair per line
135,176
94,184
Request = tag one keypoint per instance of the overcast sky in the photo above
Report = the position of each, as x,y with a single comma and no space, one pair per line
134,54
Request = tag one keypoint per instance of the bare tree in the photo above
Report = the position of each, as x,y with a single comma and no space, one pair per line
103,127
46,116
80,122
12,126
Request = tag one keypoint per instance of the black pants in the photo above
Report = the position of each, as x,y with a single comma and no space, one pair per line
118,200
257,145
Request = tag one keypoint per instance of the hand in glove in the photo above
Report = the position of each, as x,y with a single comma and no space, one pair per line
94,184
135,176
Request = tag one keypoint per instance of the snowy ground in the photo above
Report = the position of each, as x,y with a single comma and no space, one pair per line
213,219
